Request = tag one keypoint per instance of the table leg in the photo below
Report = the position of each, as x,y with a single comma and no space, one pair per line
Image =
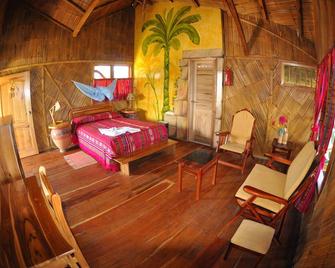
180,179
199,179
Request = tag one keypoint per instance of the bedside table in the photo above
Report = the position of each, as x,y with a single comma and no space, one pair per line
129,113
283,149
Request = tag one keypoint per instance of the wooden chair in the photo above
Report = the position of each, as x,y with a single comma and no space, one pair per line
239,140
253,237
267,194
55,207
45,185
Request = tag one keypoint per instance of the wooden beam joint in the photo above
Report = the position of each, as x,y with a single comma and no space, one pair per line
84,18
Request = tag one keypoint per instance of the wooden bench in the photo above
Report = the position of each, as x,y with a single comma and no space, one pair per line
124,161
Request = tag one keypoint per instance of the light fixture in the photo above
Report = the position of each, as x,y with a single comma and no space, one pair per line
56,107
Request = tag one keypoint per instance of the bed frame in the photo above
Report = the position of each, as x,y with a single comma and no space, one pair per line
123,161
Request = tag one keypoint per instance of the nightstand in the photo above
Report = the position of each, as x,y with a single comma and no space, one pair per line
127,113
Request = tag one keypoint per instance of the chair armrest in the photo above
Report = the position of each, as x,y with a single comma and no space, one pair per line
276,158
259,193
222,133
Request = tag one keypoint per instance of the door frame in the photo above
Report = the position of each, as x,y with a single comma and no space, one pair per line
27,99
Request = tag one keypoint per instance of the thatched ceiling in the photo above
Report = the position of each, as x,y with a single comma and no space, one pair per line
75,14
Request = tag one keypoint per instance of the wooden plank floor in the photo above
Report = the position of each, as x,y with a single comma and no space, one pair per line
143,221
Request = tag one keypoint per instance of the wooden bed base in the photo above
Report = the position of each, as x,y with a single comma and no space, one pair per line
123,161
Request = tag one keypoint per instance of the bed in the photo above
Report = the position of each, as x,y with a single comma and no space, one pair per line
115,153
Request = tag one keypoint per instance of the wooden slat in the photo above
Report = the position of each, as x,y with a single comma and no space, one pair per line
85,16
299,19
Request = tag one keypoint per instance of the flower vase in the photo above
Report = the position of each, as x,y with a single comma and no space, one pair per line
280,138
285,136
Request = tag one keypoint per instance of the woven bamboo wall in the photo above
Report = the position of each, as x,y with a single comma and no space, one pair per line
256,84
54,58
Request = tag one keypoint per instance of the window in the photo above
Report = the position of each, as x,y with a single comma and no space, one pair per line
102,72
298,75
121,71
111,71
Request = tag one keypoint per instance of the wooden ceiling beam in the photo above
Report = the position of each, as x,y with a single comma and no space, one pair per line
264,11
234,14
84,18
73,5
197,3
299,19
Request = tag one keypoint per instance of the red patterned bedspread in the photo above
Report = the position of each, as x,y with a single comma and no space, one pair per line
104,148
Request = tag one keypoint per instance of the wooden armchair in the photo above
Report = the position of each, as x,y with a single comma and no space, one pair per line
55,207
267,194
240,139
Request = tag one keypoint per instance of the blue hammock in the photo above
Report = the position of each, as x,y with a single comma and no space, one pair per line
97,93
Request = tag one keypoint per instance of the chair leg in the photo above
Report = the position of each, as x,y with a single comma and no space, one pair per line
259,260
228,250
244,161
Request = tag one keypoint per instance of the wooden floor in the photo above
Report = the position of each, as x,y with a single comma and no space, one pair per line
143,221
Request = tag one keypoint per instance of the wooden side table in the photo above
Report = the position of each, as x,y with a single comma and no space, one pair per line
283,149
129,113
197,163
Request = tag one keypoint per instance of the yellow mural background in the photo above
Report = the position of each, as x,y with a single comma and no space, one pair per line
210,31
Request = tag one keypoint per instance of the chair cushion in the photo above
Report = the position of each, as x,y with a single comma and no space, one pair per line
253,236
233,147
242,126
299,168
267,180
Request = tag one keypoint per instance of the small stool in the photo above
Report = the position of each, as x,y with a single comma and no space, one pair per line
252,236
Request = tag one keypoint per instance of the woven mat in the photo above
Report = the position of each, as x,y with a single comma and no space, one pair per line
79,160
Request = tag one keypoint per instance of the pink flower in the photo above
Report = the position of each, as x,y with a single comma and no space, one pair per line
283,120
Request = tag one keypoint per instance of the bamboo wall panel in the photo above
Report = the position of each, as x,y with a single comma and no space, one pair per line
256,82
58,87
29,38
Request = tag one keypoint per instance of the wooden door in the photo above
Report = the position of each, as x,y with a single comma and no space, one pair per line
202,101
15,101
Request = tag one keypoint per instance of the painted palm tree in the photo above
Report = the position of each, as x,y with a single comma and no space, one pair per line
165,30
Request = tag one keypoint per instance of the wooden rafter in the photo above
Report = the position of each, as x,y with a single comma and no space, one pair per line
299,18
84,18
74,6
264,11
197,2
234,14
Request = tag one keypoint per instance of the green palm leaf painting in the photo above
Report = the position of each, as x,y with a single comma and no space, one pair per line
164,31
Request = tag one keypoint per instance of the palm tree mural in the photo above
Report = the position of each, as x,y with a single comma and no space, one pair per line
164,32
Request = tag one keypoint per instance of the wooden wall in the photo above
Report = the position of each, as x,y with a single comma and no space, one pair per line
256,84
54,58
324,16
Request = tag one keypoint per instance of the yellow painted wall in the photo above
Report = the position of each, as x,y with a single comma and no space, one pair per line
210,31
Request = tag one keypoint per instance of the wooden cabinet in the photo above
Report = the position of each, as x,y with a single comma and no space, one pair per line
10,164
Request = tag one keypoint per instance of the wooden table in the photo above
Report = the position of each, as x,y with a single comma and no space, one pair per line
197,163
29,235
282,149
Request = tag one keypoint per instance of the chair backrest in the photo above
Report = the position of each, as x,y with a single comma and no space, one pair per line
299,168
47,189
242,127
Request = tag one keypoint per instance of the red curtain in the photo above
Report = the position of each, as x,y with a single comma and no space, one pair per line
324,116
122,89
